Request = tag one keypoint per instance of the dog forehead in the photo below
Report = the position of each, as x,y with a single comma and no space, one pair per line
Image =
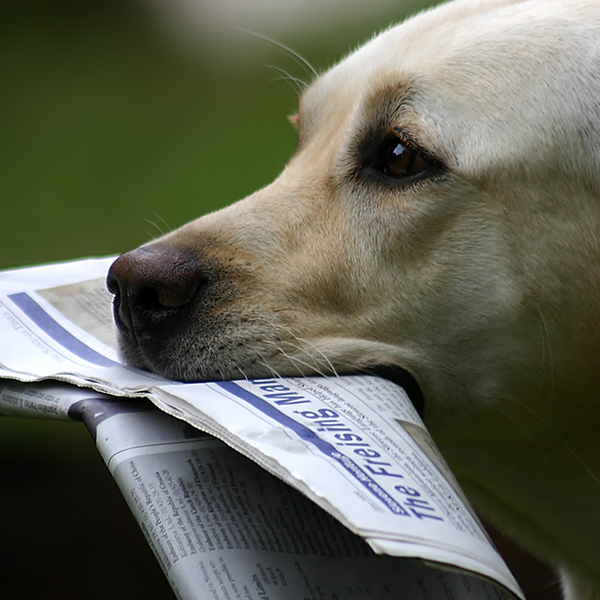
467,64
460,36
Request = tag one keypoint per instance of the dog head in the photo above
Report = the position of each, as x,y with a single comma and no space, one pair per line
441,215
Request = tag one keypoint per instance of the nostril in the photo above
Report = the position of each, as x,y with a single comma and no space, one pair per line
156,303
148,299
150,284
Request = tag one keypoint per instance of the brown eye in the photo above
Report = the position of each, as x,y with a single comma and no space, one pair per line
402,161
394,159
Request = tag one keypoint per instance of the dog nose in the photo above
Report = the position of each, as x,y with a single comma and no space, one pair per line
150,285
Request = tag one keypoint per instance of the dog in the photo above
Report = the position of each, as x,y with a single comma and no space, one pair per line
440,219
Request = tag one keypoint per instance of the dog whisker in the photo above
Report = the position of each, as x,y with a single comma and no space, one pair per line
294,361
559,438
546,338
295,56
162,229
314,365
320,352
265,363
527,434
297,84
274,372
303,344
244,376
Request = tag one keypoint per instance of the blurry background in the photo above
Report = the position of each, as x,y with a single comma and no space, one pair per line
119,120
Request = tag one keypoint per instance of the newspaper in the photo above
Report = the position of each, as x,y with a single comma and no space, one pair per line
353,445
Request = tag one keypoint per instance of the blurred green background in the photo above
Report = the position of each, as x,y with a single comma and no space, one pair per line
119,120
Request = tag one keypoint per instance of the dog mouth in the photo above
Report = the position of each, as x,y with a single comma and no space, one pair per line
178,321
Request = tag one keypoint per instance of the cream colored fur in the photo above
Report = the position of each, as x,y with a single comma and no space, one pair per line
483,280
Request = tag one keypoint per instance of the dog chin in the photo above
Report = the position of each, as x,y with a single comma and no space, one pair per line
227,368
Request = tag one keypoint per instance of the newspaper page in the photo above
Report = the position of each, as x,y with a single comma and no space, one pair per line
354,445
220,526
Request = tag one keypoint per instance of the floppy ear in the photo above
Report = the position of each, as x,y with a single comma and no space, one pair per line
293,119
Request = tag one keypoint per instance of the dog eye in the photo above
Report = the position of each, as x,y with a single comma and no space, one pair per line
395,159
401,160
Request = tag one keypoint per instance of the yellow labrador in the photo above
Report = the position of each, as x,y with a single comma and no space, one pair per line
440,217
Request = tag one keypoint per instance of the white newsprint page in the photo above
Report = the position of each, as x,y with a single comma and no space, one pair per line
317,488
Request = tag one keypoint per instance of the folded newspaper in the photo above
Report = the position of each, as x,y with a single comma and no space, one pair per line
392,521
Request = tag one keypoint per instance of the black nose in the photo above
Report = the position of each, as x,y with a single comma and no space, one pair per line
151,285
